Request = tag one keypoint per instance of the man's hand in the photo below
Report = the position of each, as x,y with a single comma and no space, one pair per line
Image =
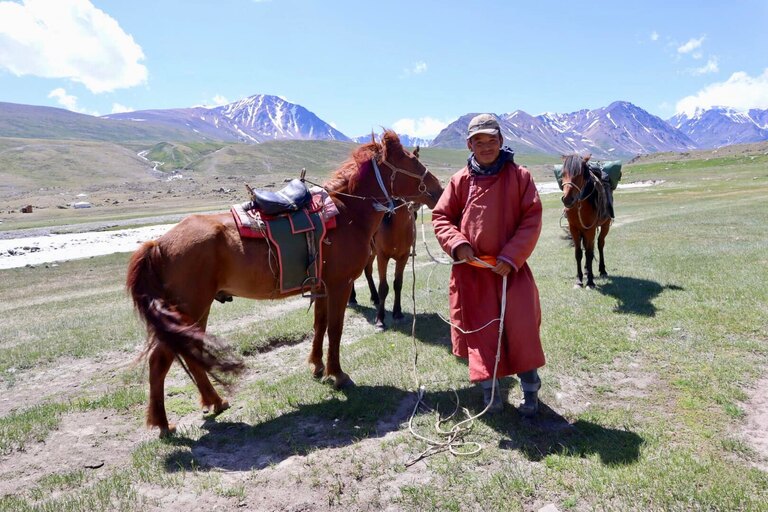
464,252
502,268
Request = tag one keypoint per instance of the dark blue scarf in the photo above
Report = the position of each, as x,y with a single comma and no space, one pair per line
506,155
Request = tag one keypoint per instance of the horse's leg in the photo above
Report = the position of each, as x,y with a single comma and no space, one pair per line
160,361
375,299
589,249
209,398
382,263
397,311
337,299
601,244
315,359
577,253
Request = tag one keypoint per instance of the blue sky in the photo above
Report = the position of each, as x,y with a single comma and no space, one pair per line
414,66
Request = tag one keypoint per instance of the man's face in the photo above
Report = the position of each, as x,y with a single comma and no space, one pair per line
485,147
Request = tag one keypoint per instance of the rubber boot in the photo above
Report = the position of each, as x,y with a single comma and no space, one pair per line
497,405
529,407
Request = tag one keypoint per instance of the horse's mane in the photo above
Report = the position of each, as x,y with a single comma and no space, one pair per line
346,177
573,165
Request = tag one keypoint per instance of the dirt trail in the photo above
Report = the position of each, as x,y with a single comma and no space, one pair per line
755,431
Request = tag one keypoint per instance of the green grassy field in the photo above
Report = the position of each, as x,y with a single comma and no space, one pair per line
645,386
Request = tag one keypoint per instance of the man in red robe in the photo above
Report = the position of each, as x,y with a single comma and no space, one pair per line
491,209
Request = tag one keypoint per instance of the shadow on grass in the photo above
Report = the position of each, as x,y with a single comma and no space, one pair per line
549,433
366,412
634,296
363,412
430,328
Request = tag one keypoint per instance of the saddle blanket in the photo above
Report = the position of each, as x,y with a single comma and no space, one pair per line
295,237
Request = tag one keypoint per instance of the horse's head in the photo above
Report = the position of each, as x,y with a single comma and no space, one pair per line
574,178
409,179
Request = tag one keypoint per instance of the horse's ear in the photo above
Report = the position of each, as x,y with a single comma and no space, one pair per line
563,157
416,151
586,158
373,137
391,142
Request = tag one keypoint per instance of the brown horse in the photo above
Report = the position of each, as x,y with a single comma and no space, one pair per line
585,201
393,240
174,279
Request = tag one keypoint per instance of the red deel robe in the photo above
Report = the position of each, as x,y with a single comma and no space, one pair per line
498,216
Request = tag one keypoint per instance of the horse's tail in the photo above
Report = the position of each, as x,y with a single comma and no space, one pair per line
167,326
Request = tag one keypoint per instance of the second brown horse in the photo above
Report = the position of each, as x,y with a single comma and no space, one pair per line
392,241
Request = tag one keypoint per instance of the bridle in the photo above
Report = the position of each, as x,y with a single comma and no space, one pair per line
422,186
390,207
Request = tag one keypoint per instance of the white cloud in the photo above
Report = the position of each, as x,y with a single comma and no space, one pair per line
117,108
417,69
691,45
710,67
69,39
425,127
654,36
740,91
219,100
68,101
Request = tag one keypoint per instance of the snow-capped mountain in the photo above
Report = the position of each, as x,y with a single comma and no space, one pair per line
621,128
406,140
722,126
254,119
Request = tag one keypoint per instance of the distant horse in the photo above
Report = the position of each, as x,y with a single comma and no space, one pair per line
393,240
585,202
174,279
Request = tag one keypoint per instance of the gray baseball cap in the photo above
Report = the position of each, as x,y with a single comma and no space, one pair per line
483,123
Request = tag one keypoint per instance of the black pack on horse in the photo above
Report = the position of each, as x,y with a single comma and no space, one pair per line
173,280
588,207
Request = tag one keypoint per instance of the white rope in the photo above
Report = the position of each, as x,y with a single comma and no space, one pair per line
452,438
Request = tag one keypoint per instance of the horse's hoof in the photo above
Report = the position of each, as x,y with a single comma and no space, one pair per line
343,383
223,406
168,431
591,286
317,373
577,286
380,327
